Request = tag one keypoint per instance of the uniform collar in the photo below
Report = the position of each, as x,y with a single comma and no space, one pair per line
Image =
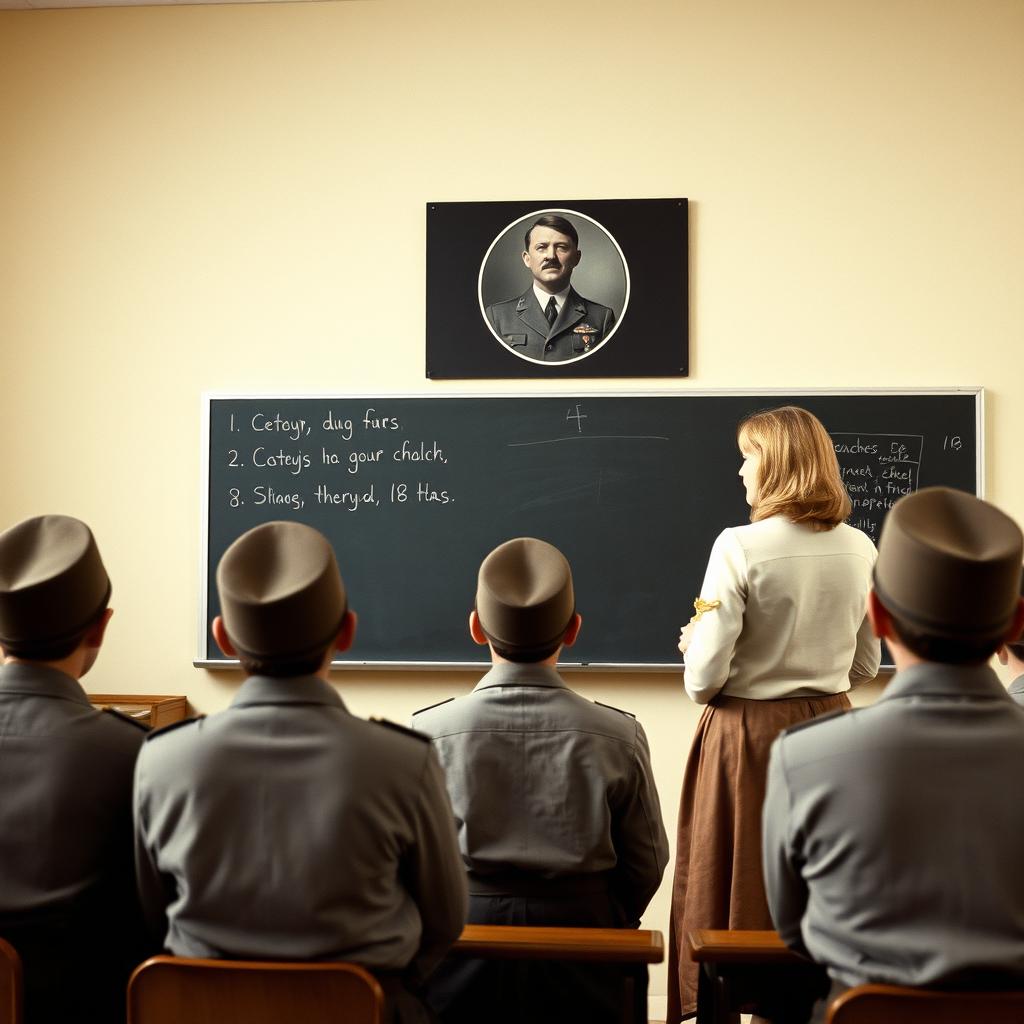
31,680
294,690
1017,686
513,674
560,297
938,680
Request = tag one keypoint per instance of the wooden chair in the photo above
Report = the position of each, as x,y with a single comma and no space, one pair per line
893,1004
10,984
172,990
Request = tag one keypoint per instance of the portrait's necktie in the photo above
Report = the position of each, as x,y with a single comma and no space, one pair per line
551,311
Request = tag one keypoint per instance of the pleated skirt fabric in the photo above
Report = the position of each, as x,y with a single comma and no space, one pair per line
718,881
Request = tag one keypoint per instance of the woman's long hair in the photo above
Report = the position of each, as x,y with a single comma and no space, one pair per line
799,475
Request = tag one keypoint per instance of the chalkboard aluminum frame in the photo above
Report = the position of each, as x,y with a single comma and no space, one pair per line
208,398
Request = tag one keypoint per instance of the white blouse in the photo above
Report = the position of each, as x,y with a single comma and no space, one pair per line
792,616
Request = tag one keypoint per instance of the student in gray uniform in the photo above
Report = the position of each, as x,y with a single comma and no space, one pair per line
893,837
558,817
285,828
67,884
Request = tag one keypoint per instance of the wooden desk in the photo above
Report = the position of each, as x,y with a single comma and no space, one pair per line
153,710
588,945
741,968
714,946
608,945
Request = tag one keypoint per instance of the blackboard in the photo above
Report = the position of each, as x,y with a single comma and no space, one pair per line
413,491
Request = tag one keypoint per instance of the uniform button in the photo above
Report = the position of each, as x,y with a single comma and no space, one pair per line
548,347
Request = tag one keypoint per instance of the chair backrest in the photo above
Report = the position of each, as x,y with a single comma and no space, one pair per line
10,984
892,1004
173,990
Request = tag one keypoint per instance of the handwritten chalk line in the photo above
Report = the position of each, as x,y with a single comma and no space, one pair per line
869,433
591,437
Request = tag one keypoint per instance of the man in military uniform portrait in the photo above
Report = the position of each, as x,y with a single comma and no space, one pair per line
68,901
558,816
285,828
550,321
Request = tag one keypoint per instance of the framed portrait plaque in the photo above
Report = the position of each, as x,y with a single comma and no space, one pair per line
560,289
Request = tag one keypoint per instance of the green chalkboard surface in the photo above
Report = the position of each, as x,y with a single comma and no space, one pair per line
413,492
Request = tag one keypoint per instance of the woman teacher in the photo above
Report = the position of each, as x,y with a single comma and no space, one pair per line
780,634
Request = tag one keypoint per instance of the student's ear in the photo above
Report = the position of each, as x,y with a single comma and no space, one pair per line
572,631
220,634
1017,627
93,640
1003,655
347,632
881,624
95,633
476,631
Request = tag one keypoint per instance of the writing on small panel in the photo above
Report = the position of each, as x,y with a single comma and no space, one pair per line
877,469
352,462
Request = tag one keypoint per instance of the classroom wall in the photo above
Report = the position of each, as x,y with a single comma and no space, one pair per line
232,198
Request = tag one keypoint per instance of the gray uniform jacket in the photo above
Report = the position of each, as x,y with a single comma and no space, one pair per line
285,827
67,885
581,326
545,782
1016,690
894,835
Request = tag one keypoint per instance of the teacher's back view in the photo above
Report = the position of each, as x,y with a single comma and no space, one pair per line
780,634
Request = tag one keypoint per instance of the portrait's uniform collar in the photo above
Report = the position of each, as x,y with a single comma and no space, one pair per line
560,297
294,690
939,680
512,674
30,680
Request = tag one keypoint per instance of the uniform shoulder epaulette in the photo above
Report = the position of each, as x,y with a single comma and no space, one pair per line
401,728
171,726
815,721
430,707
126,718
628,714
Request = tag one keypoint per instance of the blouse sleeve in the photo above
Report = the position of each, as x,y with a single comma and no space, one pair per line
867,655
709,655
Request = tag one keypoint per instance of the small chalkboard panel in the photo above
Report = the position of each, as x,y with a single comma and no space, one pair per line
414,491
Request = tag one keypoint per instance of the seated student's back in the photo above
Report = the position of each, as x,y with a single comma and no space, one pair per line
67,884
558,815
285,828
894,834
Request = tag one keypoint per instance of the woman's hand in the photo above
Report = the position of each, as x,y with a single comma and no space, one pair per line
685,636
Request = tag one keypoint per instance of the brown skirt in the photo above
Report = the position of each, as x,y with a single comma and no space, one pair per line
718,881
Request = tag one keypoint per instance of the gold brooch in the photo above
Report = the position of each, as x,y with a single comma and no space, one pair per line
701,606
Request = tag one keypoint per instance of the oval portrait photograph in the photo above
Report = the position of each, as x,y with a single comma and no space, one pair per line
554,286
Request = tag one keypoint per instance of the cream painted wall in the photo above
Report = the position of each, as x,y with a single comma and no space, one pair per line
232,198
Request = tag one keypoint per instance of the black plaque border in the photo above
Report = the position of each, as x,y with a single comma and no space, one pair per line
651,341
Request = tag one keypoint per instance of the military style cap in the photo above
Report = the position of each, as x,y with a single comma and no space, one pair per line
950,564
52,581
524,595
281,593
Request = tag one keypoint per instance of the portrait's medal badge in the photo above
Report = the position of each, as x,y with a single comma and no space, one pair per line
587,334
